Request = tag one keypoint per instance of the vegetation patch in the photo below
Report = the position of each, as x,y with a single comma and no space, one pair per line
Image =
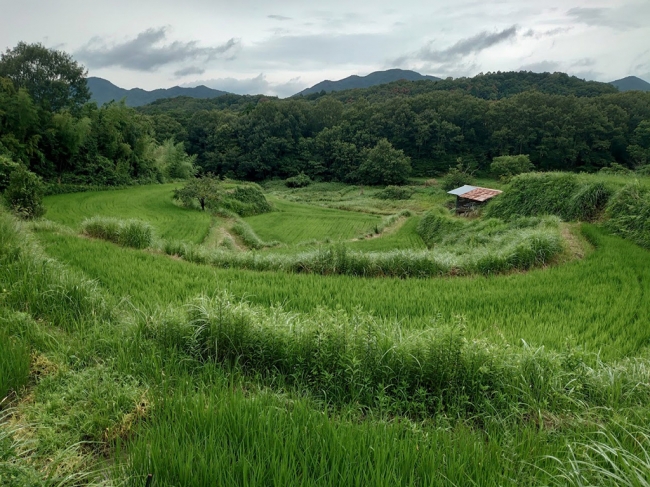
395,193
561,194
127,233
629,214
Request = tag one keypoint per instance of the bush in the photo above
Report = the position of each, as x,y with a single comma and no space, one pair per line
395,193
299,181
505,167
457,177
127,233
245,200
24,194
7,166
615,168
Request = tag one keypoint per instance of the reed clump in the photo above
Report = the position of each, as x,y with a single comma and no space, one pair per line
127,233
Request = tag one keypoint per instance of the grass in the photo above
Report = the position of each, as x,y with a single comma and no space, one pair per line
14,364
152,204
536,378
295,222
599,303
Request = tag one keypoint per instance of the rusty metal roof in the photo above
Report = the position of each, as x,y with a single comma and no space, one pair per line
480,194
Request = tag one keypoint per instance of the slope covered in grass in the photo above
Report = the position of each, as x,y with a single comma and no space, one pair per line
152,204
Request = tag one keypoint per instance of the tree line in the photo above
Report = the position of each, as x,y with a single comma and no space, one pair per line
377,135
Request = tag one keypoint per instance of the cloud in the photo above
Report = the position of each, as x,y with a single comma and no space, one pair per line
279,17
603,17
253,86
471,45
189,70
539,34
148,52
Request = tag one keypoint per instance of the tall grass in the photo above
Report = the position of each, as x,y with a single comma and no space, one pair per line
345,358
127,233
32,283
515,249
14,364
629,214
561,194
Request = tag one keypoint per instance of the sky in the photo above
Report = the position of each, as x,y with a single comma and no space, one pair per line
279,47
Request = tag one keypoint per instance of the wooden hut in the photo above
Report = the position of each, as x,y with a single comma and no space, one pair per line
469,198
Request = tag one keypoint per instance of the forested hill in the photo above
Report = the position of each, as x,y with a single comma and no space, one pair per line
373,79
631,83
490,86
103,91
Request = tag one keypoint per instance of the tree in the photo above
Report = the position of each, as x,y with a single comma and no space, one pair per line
199,189
53,79
7,166
384,165
24,195
505,167
174,161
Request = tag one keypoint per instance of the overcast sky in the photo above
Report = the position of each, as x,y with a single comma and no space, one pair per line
282,46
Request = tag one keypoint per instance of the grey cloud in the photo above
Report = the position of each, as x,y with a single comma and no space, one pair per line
148,51
253,86
278,17
539,34
189,70
465,47
602,17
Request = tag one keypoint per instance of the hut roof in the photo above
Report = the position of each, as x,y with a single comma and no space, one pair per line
475,193
462,190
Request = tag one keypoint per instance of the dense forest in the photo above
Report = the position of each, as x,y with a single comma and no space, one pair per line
561,122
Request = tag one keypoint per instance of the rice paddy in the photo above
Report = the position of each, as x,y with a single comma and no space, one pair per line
184,373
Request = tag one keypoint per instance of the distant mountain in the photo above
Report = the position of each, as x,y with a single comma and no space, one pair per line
373,79
103,91
631,83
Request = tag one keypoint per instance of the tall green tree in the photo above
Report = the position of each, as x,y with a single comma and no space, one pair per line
384,165
53,79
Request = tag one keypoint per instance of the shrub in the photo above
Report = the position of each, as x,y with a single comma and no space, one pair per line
7,166
395,193
247,200
457,176
505,167
24,194
299,181
615,168
127,233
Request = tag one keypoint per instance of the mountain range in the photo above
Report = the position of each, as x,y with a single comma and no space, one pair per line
104,91
373,79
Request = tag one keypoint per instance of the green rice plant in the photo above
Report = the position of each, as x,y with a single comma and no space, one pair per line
35,284
128,233
14,364
629,214
244,231
151,203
